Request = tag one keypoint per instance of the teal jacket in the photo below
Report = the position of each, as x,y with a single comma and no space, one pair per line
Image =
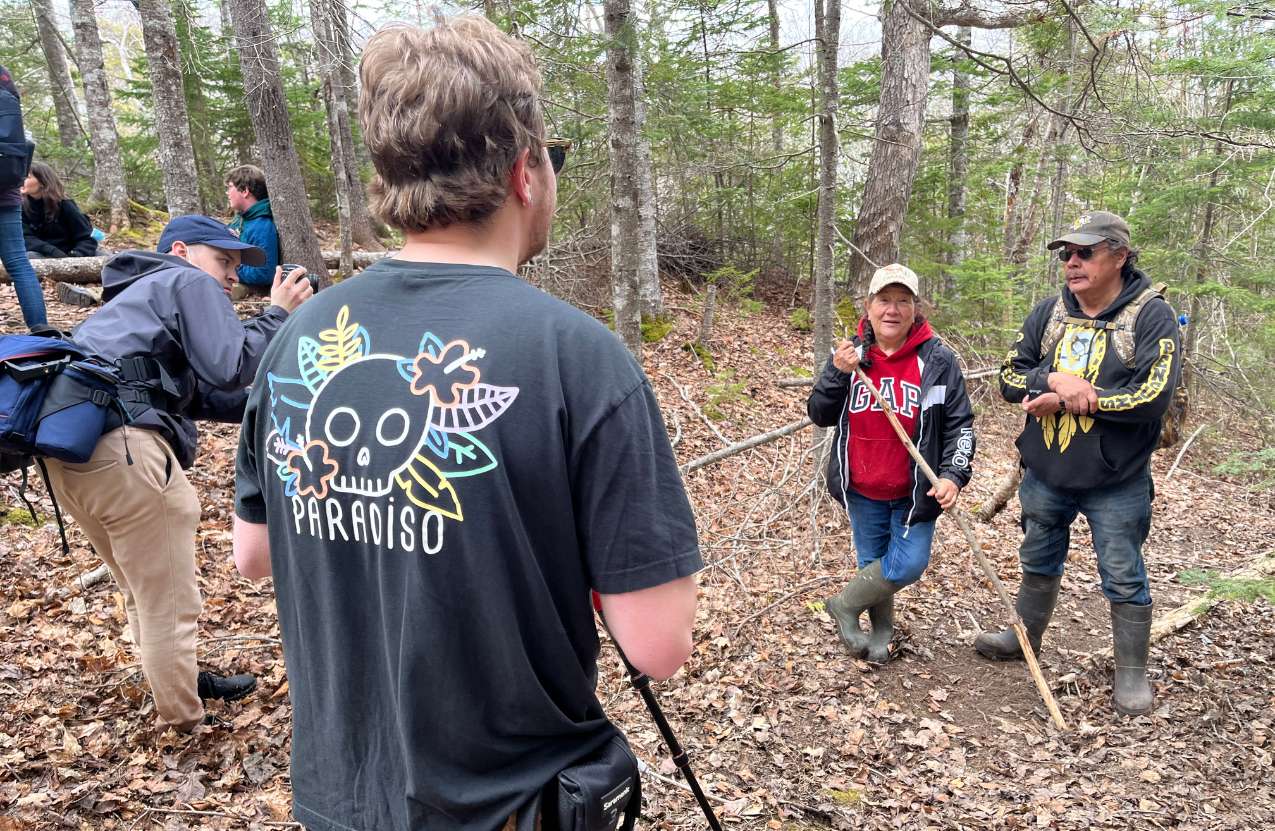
256,227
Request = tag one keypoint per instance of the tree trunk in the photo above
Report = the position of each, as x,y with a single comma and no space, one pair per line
268,110
63,91
896,151
958,163
1203,256
650,295
776,118
172,123
334,104
623,126
108,168
362,228
212,187
827,34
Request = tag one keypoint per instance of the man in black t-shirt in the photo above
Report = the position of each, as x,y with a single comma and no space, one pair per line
439,462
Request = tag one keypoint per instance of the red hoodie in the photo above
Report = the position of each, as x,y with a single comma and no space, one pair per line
879,465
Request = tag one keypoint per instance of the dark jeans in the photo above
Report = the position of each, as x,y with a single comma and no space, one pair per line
879,534
1119,516
13,253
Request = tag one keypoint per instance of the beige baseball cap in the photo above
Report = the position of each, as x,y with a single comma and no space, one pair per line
895,273
1092,227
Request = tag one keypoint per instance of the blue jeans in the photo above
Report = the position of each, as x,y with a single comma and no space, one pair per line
1119,516
13,253
879,534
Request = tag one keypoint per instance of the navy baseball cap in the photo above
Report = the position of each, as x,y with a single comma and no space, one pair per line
194,229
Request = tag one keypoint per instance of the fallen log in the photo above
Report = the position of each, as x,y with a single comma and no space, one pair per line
746,444
1186,614
1005,488
81,270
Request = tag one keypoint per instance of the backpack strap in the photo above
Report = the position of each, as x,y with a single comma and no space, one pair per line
57,511
1126,321
1054,328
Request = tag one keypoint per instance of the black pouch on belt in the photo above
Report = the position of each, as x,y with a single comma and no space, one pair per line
601,792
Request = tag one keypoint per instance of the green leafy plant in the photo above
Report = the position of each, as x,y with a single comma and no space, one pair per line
1256,466
800,319
725,390
1245,590
656,328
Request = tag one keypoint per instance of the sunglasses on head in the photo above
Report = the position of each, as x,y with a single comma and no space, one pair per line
557,148
1084,253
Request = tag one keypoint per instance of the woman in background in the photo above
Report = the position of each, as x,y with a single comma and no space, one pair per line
53,225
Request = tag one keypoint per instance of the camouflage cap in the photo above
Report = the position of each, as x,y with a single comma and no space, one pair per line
1092,228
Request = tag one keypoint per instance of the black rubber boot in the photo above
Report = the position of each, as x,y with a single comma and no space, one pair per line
1037,596
225,687
1131,634
867,589
882,617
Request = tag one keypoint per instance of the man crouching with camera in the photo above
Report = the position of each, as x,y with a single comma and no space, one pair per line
168,323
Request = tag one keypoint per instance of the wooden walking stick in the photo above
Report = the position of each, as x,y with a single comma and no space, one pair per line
1015,621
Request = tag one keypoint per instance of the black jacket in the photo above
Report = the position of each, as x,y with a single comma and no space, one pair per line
160,306
1075,452
944,429
65,232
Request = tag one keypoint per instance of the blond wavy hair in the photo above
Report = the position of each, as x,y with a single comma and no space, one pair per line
445,112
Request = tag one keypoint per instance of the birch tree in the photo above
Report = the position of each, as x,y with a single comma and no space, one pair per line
827,36
268,110
108,168
172,122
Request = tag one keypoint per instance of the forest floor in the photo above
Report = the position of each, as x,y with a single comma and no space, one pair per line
785,732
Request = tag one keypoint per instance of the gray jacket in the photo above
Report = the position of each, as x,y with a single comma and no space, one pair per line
160,306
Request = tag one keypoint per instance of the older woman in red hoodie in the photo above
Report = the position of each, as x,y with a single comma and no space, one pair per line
891,504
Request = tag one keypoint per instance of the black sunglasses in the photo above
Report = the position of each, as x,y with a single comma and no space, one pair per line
557,148
1064,254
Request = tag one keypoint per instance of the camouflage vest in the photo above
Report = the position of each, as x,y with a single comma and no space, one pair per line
1120,331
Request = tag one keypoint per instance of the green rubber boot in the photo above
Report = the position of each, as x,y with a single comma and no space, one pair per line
1037,597
867,589
882,617
1131,636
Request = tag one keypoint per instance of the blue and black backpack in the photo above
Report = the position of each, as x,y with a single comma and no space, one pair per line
56,401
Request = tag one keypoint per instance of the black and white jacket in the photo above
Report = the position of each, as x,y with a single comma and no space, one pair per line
944,429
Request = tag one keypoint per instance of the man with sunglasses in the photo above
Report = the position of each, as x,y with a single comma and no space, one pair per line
1092,422
440,462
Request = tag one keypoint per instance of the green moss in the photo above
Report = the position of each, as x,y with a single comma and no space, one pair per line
1242,589
849,796
725,390
705,357
18,515
750,307
656,328
848,314
800,319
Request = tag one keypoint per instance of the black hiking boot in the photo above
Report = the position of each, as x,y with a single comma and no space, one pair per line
1037,596
77,295
867,589
225,687
1131,637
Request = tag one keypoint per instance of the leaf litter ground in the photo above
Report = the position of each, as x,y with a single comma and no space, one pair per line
786,732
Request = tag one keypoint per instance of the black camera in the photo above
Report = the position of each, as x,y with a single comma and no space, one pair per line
288,268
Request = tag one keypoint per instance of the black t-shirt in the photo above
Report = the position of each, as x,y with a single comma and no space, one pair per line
448,460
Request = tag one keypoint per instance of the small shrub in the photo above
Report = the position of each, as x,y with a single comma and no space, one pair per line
750,307
800,319
724,391
1259,465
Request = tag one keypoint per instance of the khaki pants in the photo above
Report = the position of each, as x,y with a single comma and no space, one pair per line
141,519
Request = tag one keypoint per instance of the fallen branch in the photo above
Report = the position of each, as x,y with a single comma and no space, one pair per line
1005,488
1184,615
809,584
83,270
91,578
686,396
746,444
1182,452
